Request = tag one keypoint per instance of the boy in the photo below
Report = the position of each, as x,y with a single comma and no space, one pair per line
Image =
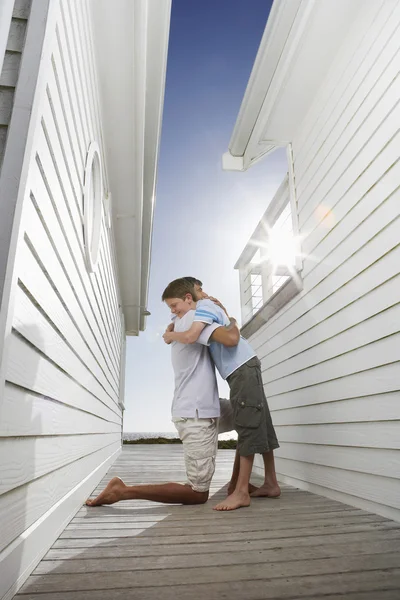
241,368
195,410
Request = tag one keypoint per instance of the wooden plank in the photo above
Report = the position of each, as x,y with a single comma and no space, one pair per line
140,551
9,74
192,576
303,543
276,555
215,521
289,588
28,414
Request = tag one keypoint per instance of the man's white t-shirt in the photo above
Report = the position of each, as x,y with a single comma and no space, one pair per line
196,390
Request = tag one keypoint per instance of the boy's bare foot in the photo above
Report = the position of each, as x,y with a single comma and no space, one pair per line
112,493
232,487
234,501
267,491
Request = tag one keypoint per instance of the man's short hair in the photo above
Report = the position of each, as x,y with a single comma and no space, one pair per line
194,281
179,288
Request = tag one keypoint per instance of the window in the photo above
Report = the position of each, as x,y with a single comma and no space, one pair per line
92,206
271,258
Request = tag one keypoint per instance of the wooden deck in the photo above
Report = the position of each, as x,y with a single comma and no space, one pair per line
300,546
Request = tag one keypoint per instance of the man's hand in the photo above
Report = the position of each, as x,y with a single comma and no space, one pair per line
218,303
170,327
168,335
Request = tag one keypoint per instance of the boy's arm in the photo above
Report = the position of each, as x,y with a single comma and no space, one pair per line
185,337
228,335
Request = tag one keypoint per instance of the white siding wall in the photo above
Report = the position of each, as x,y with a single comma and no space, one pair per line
330,357
60,422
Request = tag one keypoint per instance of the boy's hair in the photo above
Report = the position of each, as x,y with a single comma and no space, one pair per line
178,289
194,281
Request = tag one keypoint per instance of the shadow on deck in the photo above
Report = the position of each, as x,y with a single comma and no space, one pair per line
300,546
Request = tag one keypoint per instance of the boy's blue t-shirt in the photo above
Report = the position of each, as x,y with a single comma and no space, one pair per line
227,360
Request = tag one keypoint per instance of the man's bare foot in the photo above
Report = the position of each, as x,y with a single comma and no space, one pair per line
232,487
234,501
267,491
112,493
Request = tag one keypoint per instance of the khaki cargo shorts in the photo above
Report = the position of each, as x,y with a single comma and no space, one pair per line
251,416
200,444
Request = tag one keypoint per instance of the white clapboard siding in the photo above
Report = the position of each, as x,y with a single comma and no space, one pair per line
62,269
382,407
73,235
30,369
364,334
37,284
382,462
26,413
344,320
373,381
355,59
50,453
48,340
366,435
384,491
61,415
331,357
355,127
22,506
361,200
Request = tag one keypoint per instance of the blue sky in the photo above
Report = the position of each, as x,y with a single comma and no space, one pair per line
204,216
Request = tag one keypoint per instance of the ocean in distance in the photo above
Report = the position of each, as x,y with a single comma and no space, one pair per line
138,435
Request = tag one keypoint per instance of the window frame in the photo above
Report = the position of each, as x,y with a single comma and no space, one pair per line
93,194
253,317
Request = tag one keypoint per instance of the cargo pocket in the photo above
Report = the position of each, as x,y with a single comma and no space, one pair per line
248,414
